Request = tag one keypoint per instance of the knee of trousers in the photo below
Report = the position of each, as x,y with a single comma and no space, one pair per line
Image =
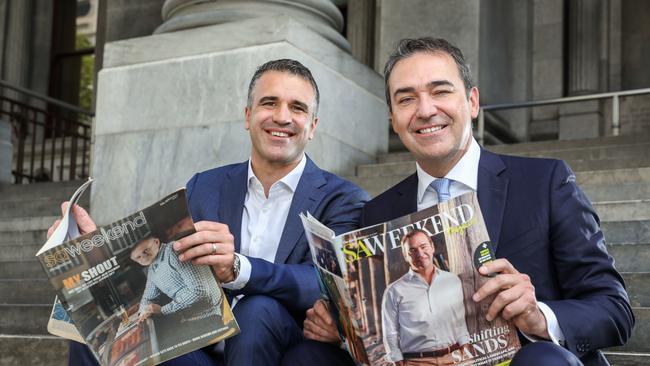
262,317
544,353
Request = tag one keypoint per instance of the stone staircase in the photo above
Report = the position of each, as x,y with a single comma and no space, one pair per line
26,300
615,174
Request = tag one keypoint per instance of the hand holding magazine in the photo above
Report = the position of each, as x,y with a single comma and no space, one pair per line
130,298
403,289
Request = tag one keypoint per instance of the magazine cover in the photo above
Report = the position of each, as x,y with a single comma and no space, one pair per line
130,298
405,288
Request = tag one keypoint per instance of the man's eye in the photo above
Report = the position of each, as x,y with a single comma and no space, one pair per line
405,100
297,108
442,92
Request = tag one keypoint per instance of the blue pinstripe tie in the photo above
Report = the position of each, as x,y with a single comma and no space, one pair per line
441,186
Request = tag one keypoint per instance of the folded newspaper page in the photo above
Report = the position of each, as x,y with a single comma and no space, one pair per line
129,297
402,290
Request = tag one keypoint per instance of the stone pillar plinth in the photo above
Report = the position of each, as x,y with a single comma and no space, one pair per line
586,34
321,16
172,104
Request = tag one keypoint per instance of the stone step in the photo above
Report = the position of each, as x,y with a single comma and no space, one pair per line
27,223
405,168
27,237
26,291
618,152
26,269
619,192
627,358
25,319
36,206
613,177
639,342
19,253
559,145
544,148
628,210
630,257
61,190
638,288
41,350
627,232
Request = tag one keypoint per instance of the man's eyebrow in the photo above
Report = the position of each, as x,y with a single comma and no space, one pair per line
267,99
300,104
430,84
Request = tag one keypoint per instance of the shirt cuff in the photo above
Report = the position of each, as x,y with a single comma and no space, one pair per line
552,326
244,274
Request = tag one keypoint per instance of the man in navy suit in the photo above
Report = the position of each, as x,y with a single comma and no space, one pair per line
554,278
246,216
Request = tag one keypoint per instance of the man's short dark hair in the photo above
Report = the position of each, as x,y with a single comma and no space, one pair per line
411,234
409,46
292,67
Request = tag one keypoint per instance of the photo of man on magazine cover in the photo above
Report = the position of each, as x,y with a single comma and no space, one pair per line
423,315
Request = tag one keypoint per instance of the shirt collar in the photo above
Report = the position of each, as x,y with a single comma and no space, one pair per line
465,171
290,180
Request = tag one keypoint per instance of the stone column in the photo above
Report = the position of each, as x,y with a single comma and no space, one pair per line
17,41
321,16
172,104
586,30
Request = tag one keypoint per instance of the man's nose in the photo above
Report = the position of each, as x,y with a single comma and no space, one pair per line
282,114
426,107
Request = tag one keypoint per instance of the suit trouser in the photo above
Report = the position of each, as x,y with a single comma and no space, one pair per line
268,330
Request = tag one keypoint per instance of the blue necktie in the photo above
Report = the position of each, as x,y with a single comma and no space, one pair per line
441,186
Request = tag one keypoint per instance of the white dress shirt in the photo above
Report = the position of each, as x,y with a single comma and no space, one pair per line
263,220
464,179
418,317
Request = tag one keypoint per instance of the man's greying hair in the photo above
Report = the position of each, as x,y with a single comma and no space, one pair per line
292,67
408,47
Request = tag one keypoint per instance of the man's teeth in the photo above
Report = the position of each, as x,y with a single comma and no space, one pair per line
430,129
279,134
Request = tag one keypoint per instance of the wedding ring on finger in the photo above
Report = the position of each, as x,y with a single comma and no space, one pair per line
214,249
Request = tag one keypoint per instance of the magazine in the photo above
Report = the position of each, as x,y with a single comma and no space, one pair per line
129,297
403,289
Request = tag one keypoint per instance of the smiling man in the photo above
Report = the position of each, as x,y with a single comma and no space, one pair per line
423,315
247,218
553,277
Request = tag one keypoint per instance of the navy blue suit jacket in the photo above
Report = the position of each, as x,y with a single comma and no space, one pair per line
543,223
218,195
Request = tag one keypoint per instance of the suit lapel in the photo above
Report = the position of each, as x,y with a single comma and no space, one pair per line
233,193
492,193
306,197
406,200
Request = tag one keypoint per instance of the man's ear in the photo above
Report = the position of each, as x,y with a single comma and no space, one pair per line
247,118
392,125
312,130
474,101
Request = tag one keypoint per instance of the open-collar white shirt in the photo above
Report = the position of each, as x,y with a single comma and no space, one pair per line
464,179
263,219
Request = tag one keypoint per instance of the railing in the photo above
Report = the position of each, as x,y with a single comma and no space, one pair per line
616,126
47,145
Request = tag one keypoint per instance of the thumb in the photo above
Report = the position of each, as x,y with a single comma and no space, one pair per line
84,221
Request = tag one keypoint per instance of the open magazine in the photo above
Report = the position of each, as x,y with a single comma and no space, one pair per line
403,289
126,293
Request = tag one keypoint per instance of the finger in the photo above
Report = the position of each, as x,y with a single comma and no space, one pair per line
64,207
85,223
202,237
52,228
205,249
496,284
503,299
517,308
500,265
325,334
211,226
322,312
